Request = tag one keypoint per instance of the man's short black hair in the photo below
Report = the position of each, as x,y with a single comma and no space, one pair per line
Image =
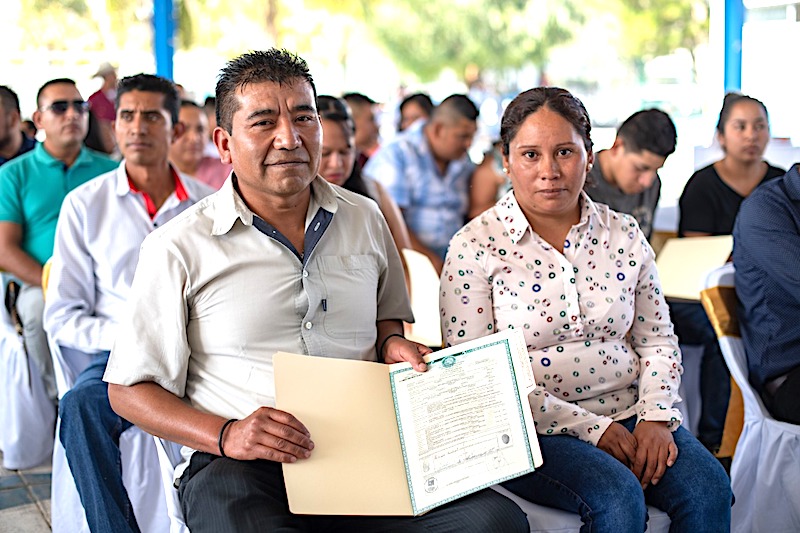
651,130
9,99
456,106
151,84
273,65
190,103
47,84
358,99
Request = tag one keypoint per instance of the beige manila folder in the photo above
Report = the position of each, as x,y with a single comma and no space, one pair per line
684,262
393,441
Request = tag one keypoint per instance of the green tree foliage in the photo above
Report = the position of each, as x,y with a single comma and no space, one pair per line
424,37
653,28
84,25
76,6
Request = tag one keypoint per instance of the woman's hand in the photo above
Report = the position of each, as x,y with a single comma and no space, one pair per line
655,452
620,443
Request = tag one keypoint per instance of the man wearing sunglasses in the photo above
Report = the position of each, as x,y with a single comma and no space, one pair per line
32,187
100,229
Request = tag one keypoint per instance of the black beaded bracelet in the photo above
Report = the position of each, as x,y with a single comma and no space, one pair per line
383,344
222,434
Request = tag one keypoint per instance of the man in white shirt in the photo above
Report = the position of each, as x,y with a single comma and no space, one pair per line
277,260
100,229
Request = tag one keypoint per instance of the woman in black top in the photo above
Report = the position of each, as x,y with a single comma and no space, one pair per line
712,196
708,206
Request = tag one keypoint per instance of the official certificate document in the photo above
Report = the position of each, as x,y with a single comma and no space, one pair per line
393,441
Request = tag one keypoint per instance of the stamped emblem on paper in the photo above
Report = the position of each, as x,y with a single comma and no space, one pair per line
431,484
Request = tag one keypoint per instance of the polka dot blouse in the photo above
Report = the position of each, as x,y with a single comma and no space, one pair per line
595,321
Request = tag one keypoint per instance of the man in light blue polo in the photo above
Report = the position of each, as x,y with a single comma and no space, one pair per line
427,171
32,187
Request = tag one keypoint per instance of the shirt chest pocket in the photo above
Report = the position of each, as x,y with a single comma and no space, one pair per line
350,284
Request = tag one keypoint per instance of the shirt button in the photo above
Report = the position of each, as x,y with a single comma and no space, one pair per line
305,273
309,325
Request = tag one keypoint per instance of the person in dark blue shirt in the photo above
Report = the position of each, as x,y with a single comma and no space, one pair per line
766,254
13,142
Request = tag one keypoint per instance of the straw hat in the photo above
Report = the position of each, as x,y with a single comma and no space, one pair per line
104,70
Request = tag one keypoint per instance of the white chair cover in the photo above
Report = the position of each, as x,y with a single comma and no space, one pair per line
27,415
689,391
765,474
140,470
169,456
427,328
549,520
140,475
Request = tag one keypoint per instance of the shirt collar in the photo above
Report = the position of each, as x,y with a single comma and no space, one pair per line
43,157
513,219
229,205
792,182
125,185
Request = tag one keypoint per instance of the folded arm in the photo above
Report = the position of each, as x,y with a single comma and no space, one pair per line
14,259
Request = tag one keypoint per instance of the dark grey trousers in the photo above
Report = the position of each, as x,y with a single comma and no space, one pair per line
220,495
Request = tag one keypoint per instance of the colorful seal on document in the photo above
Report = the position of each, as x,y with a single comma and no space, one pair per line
448,361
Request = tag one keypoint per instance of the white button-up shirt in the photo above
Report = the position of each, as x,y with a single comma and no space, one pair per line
100,228
217,292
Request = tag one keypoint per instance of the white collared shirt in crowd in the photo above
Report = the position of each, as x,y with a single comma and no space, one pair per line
100,228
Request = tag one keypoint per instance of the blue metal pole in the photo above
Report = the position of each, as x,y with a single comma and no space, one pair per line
163,37
734,20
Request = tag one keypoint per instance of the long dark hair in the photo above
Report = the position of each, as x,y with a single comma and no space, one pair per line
337,110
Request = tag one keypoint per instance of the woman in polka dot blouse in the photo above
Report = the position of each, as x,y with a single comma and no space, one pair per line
580,281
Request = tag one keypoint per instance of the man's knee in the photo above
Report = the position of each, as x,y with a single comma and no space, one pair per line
30,306
84,402
486,510
501,514
226,493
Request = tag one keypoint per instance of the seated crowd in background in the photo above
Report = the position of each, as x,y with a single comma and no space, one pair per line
32,188
427,171
426,189
101,227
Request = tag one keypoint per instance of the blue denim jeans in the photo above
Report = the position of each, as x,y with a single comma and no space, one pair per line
579,477
90,432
